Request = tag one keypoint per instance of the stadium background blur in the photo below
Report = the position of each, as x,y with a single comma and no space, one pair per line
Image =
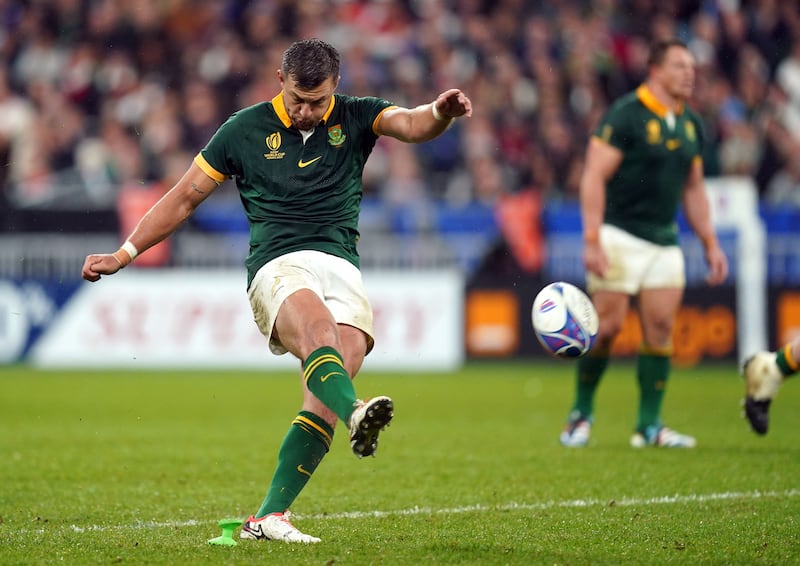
103,104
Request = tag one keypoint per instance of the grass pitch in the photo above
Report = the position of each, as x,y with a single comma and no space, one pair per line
138,468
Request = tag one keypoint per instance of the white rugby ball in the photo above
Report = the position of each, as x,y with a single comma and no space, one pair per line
564,320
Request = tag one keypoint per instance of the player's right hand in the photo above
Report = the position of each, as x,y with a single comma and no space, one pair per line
96,265
595,259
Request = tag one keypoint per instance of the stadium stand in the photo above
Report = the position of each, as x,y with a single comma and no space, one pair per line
100,100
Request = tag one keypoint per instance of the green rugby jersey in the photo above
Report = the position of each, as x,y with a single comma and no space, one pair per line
297,196
643,195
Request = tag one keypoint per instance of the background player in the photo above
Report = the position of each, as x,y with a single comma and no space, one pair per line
642,163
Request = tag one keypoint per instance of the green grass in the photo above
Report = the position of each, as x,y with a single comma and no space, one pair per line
137,468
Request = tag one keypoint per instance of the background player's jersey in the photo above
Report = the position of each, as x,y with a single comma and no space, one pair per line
297,196
643,195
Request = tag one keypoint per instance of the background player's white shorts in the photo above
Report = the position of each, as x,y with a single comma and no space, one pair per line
335,280
635,264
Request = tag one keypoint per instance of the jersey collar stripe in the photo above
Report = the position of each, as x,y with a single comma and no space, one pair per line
280,110
329,111
646,97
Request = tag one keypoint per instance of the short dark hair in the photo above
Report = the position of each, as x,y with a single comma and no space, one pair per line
309,62
659,48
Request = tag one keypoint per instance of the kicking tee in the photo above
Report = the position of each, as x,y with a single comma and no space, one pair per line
297,195
643,195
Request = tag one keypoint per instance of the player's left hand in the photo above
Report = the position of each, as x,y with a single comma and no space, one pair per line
453,103
717,266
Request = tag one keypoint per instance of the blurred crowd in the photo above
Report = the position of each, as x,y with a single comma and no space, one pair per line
101,96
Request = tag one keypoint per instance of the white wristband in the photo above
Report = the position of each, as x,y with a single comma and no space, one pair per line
130,249
436,115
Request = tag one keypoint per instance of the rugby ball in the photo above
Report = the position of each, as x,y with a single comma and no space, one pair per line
564,320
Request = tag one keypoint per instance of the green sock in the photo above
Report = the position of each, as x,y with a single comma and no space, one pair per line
308,440
329,382
652,371
786,362
590,370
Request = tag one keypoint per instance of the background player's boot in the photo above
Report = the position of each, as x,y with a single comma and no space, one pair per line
660,435
577,431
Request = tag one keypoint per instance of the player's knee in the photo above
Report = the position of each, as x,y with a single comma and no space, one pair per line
608,330
658,331
323,332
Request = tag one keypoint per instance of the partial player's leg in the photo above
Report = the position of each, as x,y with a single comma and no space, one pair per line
764,373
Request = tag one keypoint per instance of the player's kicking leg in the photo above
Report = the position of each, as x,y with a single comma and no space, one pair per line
367,421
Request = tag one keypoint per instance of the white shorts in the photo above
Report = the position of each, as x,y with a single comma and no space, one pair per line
336,281
635,264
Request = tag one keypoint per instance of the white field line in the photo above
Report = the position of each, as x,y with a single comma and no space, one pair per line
514,506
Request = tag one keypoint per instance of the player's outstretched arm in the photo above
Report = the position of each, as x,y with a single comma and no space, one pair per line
157,224
425,122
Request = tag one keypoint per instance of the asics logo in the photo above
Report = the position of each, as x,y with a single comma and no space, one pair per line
327,375
302,164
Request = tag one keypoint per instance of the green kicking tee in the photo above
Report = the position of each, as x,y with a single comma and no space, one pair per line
643,195
297,195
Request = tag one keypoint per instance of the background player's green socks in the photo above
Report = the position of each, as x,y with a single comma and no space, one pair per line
589,371
329,382
652,371
308,440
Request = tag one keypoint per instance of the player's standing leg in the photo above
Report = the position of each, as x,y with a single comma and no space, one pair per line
658,309
611,310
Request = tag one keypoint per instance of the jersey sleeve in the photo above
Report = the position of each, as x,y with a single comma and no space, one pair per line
701,135
368,111
216,158
614,129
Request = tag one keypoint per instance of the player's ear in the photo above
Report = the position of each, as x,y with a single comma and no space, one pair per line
280,77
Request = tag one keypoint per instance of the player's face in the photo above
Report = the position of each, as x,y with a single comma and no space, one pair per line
676,73
306,107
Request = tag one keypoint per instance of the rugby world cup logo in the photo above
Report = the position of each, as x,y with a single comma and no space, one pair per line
274,141
691,133
653,132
